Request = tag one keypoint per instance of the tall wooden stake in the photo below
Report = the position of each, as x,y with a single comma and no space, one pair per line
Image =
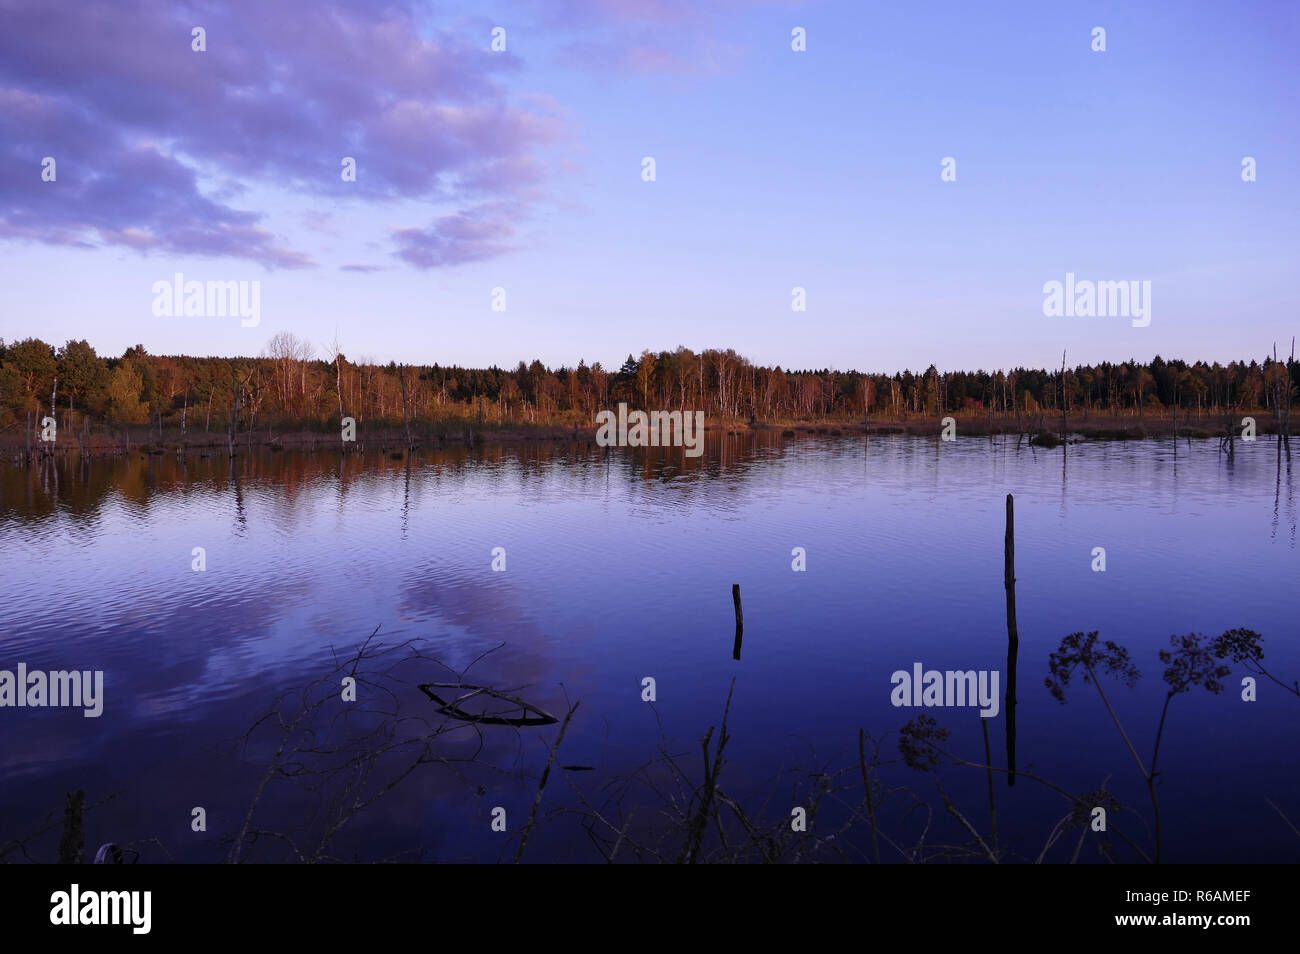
1013,636
740,620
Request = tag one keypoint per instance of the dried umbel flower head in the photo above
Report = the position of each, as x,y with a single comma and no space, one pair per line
1191,663
1082,812
1239,645
916,742
1082,650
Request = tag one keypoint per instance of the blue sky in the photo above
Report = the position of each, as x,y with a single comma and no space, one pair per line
775,169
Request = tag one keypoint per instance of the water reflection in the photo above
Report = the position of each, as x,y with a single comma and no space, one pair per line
618,565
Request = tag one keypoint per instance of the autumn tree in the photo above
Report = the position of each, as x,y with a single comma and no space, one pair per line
124,390
34,368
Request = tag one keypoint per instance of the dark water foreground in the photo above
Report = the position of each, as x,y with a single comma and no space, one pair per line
619,567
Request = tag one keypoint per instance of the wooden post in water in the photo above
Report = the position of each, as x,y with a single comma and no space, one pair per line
1013,636
73,842
740,620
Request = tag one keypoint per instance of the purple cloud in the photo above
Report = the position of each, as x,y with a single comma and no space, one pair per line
149,135
467,236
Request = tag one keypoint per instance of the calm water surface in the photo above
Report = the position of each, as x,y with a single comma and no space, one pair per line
620,566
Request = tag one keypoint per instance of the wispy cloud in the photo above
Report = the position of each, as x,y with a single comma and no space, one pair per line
670,37
470,235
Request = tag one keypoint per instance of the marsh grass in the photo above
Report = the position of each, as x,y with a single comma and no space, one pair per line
337,763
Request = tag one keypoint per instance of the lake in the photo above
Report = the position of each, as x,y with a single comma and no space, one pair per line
618,566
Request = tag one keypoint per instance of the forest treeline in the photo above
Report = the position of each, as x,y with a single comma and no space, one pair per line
294,384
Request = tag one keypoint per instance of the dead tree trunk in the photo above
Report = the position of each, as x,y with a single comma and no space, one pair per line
338,381
406,421
1063,398
237,396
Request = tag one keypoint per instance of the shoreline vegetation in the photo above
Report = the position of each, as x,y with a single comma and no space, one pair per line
291,396
145,440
